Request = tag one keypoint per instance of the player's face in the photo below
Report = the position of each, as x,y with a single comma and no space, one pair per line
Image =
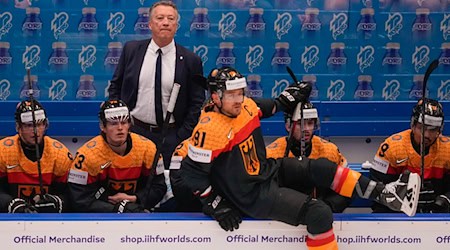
163,24
308,129
430,136
26,132
232,102
116,132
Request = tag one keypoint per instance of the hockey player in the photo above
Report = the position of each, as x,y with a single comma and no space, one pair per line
314,148
20,183
113,171
227,168
401,152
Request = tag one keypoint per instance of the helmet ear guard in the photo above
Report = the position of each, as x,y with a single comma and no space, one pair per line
434,114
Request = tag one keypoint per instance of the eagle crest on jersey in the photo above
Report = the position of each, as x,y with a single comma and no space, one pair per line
249,156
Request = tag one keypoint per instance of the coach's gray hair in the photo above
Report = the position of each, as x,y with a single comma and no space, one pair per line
163,3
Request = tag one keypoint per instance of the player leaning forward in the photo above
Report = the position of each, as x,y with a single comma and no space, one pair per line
228,170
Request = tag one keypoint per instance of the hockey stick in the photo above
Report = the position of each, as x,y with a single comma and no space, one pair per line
172,100
36,145
433,65
295,118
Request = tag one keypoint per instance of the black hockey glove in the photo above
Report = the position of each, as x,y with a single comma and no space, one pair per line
20,206
127,206
222,211
441,204
292,95
49,203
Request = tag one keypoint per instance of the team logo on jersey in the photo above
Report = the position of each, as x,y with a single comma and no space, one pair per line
444,91
86,58
8,142
86,2
309,2
29,191
391,90
205,120
91,144
197,2
282,24
420,57
338,25
444,139
254,57
122,186
249,156
445,26
59,24
202,52
279,87
310,57
58,90
6,23
4,89
227,24
31,56
57,145
336,90
420,2
365,57
393,24
115,24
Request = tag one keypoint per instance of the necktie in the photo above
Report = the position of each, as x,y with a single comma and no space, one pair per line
158,104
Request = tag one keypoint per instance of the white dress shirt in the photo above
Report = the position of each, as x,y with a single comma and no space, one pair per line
145,103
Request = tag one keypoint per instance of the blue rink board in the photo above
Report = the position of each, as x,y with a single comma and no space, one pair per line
199,216
343,118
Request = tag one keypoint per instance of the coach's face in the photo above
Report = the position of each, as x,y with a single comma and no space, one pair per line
163,24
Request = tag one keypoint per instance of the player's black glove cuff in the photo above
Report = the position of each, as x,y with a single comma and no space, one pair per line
292,95
127,206
20,206
441,204
222,211
49,203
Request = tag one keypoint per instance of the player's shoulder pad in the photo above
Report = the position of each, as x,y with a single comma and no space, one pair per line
398,138
9,142
140,141
55,144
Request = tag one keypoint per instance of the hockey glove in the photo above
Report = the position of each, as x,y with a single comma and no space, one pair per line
223,212
49,203
127,206
292,95
20,206
441,204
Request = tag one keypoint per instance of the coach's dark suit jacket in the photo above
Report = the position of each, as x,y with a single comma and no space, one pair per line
124,84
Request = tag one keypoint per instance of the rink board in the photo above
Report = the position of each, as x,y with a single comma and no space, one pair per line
197,232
